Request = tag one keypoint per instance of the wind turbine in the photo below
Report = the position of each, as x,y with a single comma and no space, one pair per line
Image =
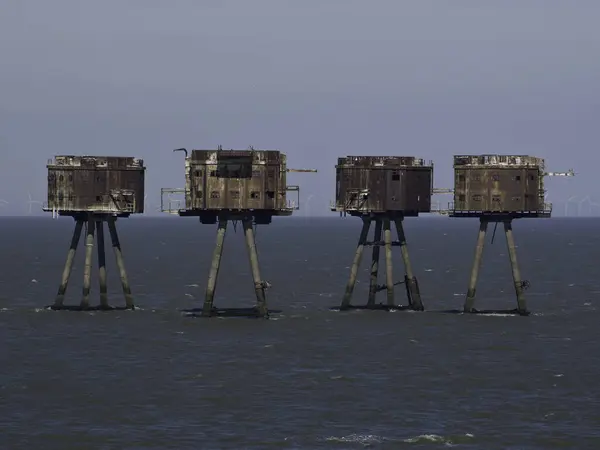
307,205
31,202
590,204
147,206
567,203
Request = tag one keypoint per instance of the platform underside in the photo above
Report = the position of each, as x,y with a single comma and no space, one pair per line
500,215
389,214
260,216
85,213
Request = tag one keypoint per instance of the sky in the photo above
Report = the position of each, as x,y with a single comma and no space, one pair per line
316,79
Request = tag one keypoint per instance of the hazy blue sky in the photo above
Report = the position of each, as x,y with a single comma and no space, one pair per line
316,79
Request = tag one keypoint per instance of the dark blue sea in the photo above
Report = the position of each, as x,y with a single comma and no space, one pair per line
309,377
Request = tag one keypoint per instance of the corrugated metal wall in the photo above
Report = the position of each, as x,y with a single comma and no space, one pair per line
379,184
498,189
236,180
100,184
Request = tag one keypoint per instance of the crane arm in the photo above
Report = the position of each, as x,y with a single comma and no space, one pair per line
442,191
568,173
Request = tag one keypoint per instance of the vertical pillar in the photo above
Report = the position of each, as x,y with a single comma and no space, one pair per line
356,263
512,252
470,300
214,269
259,288
62,289
412,287
389,273
102,264
120,263
375,264
87,271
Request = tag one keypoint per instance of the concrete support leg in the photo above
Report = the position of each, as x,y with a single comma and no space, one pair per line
470,300
356,263
512,252
101,264
60,296
412,286
87,270
375,264
214,269
389,272
120,263
259,285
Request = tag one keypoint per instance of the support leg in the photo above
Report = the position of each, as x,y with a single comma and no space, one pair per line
512,252
102,265
470,300
375,264
87,271
60,296
412,286
356,263
259,286
389,272
120,263
214,269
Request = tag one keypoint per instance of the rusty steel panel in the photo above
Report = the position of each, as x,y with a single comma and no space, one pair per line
379,184
498,161
237,180
500,184
100,184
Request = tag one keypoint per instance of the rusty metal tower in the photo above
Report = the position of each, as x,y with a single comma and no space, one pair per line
234,185
499,188
383,189
94,190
